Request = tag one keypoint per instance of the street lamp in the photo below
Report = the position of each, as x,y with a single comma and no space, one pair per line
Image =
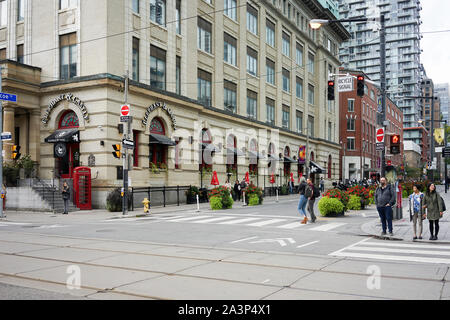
317,23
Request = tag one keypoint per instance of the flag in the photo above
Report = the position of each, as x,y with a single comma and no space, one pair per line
302,154
439,136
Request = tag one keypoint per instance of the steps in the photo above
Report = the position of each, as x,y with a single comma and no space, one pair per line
52,196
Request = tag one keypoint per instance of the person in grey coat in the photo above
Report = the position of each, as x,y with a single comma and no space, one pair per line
384,200
432,202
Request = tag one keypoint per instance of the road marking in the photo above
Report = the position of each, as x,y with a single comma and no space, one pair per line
281,241
363,214
328,226
14,223
292,225
390,250
387,257
241,240
213,220
188,218
347,247
239,221
405,245
265,222
265,281
307,244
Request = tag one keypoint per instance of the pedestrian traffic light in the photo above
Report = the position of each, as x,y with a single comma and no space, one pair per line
395,144
116,153
360,86
331,90
15,154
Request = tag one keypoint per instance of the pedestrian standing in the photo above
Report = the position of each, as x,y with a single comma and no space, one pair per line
322,185
432,202
243,186
303,200
385,199
3,195
66,196
416,210
237,190
310,195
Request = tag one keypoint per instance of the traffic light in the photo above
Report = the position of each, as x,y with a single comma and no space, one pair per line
15,154
360,86
331,90
116,153
395,144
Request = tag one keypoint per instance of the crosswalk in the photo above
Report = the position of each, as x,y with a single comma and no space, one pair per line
288,223
411,252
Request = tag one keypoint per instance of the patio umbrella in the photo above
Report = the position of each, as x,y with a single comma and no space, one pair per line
214,180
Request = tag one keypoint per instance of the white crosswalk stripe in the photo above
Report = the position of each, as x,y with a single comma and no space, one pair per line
426,253
327,227
239,221
265,222
213,220
292,225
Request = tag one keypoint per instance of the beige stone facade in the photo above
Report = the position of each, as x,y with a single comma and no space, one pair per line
104,32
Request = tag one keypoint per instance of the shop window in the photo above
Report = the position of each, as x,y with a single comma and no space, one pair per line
69,120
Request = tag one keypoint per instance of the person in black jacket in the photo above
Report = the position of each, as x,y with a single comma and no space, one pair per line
237,190
385,199
66,196
309,195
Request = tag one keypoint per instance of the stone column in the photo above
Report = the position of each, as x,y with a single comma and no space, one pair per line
35,136
8,126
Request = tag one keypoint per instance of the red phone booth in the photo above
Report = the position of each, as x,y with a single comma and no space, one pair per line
82,187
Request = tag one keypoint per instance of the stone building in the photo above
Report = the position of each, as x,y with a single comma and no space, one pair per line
238,82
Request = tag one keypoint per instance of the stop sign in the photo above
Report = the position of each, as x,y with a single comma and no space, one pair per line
380,135
125,110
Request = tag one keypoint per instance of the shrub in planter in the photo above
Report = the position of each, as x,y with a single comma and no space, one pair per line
361,192
354,203
330,207
252,190
284,190
338,194
216,203
223,194
114,201
227,202
371,197
253,201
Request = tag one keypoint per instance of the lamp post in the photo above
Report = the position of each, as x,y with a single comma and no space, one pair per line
343,162
317,23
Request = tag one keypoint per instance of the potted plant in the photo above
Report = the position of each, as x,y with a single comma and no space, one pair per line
153,168
253,191
330,207
362,193
338,194
220,198
162,166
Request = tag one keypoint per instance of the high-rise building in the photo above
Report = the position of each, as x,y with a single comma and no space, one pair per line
402,25
442,90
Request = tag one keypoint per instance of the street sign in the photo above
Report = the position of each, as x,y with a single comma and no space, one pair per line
125,110
125,118
345,84
8,97
380,146
380,135
447,152
128,144
6,136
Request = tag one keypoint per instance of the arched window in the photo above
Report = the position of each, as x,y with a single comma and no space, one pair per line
329,166
312,156
253,166
287,162
158,151
68,120
157,127
205,155
231,154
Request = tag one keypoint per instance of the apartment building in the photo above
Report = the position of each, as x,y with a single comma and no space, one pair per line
244,81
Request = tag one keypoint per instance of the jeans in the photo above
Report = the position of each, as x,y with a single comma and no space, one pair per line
385,215
66,205
302,205
311,209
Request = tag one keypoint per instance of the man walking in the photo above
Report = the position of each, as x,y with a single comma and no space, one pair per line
310,194
322,185
384,200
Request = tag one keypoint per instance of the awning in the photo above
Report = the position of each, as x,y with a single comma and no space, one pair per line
160,139
255,154
236,151
68,135
209,147
289,159
272,157
315,168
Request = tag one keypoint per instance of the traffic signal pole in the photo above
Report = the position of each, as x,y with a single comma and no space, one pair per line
126,132
383,88
1,146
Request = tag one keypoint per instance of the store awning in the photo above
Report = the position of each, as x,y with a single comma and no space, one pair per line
289,159
209,147
315,168
160,139
68,136
236,151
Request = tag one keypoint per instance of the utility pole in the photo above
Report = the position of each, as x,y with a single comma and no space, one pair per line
126,133
1,145
431,136
383,87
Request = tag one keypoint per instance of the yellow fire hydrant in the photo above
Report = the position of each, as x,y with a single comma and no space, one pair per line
146,203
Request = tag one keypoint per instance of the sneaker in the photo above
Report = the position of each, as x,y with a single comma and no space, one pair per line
415,238
435,237
432,238
420,237
391,234
383,233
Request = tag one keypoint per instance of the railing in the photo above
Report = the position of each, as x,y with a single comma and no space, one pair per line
159,195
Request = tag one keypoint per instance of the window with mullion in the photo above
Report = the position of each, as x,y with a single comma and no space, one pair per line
229,96
230,9
178,75
270,71
135,73
299,121
252,61
68,56
178,16
252,19
270,110
251,104
286,117
351,144
204,35
299,55
204,87
310,94
135,6
286,80
158,11
311,126
66,4
229,49
311,63
20,10
270,33
286,45
299,88
350,124
3,13
157,68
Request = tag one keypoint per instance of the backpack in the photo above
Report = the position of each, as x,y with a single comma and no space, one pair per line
316,192
443,204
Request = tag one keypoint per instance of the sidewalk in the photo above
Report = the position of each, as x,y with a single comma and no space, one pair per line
403,228
103,214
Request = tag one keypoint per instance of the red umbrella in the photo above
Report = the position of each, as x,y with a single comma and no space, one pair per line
214,180
247,179
272,178
292,176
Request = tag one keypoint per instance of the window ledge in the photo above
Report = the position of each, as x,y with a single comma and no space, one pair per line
231,65
158,25
205,53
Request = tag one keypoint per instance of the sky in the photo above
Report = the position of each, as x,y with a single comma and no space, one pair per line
436,46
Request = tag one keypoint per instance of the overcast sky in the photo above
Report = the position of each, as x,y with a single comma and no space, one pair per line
436,46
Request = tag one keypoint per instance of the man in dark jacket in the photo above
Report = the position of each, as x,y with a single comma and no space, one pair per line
309,195
385,199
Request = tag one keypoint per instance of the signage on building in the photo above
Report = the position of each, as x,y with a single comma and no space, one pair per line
6,136
60,149
447,152
380,146
301,155
69,97
8,97
345,84
165,108
128,144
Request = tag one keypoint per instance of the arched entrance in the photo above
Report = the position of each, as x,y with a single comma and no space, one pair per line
253,159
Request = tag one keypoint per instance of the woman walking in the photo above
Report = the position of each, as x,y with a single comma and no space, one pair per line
433,203
303,200
416,211
66,196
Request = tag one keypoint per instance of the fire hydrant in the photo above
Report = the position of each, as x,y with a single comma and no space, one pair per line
146,203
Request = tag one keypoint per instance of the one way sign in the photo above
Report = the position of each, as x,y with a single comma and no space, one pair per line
128,144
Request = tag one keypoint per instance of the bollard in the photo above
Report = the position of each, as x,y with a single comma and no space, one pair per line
244,199
277,195
198,204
